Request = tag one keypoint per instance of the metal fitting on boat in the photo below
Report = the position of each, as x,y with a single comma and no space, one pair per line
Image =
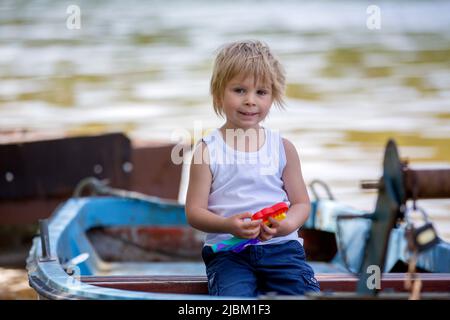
45,241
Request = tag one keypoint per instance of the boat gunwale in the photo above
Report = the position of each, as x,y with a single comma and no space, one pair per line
431,282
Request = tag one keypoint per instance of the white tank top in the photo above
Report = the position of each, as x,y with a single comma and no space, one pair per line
246,181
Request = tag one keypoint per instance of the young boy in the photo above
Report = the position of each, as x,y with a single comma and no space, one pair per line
241,168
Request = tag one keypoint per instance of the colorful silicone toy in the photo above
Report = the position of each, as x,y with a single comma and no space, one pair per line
235,244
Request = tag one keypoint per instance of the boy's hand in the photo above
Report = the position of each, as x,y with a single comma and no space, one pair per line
267,232
241,226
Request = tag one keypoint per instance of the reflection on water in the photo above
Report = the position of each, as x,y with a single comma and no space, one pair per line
143,68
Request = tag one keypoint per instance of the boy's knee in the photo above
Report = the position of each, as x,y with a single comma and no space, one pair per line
227,277
218,285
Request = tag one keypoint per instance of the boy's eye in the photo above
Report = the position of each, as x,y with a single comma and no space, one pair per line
239,90
262,92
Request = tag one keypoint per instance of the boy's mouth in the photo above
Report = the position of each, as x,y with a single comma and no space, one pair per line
248,113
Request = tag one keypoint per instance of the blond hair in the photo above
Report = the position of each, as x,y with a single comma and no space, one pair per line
246,58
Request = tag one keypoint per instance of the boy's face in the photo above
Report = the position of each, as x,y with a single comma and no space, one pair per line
245,103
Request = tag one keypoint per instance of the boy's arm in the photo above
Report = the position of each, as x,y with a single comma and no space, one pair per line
296,190
198,215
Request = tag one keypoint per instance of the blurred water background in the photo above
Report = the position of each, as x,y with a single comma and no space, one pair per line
143,67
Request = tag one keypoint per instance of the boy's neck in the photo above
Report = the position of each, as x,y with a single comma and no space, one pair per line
245,140
227,126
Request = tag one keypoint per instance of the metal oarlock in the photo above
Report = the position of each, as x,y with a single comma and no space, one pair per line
312,186
45,240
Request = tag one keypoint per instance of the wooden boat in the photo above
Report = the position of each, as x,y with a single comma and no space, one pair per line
73,268
70,260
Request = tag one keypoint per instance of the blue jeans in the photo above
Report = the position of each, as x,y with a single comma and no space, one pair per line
259,269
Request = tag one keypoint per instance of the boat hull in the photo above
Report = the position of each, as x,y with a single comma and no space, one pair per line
93,277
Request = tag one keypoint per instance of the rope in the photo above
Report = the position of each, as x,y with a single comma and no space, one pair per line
413,283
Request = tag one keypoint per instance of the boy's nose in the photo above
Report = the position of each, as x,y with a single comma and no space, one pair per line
250,100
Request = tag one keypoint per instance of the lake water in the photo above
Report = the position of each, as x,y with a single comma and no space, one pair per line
143,67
